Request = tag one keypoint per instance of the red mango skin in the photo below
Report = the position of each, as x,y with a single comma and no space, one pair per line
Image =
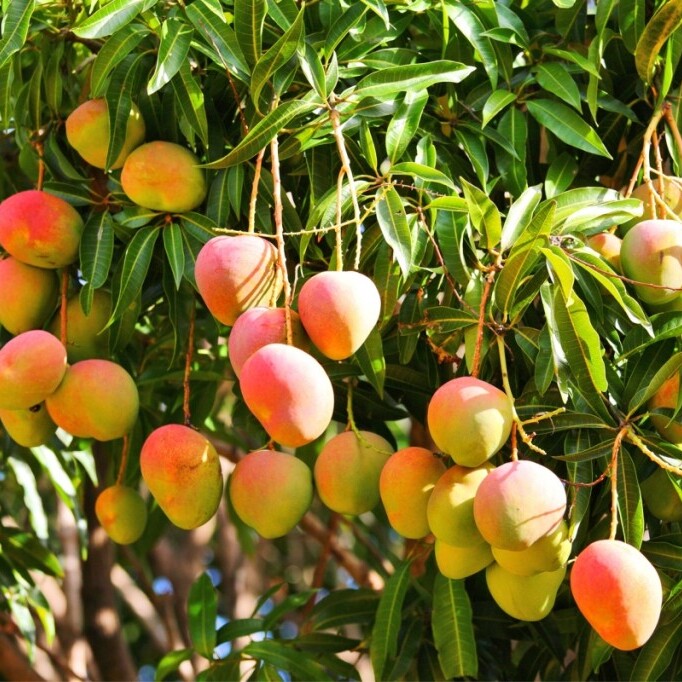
405,485
164,176
518,503
40,229
289,393
339,309
618,591
28,295
271,491
122,513
234,274
666,397
32,366
96,399
182,471
31,427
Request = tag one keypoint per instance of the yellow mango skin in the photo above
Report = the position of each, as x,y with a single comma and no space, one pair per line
526,598
257,327
87,131
40,229
32,366
182,471
671,194
458,563
31,427
122,513
28,295
450,509
405,485
271,491
339,309
518,503
96,399
234,274
163,176
666,397
348,469
618,591
469,419
549,553
608,246
289,393
661,497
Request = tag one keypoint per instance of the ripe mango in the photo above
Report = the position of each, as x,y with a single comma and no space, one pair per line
182,471
666,397
457,563
122,513
30,427
271,491
671,194
608,246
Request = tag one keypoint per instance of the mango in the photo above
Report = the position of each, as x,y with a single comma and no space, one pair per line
663,497
671,193
30,427
234,274
271,491
289,393
32,365
651,253
458,563
40,229
96,399
528,598
469,419
163,176
518,503
667,397
87,131
257,327
348,469
405,486
450,509
182,471
547,554
339,309
618,591
608,246
122,513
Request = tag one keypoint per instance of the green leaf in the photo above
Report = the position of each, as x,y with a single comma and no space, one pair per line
249,16
484,215
113,52
498,100
344,607
422,172
170,663
190,99
340,29
560,269
97,248
575,57
664,22
202,609
655,656
520,216
15,24
313,70
393,223
175,252
655,378
560,174
411,78
27,550
370,357
475,150
567,125
110,18
27,480
283,657
556,79
405,123
55,469
630,509
662,554
631,20
242,627
174,43
384,641
453,630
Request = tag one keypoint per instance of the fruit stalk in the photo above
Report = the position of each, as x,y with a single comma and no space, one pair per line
187,416
63,315
125,451
615,450
254,191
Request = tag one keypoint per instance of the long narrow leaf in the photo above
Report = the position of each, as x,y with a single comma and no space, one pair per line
393,222
16,23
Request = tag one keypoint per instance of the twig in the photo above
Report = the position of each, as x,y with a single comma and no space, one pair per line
254,191
614,480
476,362
188,368
633,438
124,460
63,314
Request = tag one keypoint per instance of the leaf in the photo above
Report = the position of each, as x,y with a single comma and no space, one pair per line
174,43
27,480
393,223
556,78
453,630
662,24
284,657
113,52
344,607
655,656
26,549
190,99
249,16
97,248
655,377
498,100
519,217
110,18
421,172
405,123
560,175
242,627
483,213
175,252
340,29
370,357
411,78
15,24
170,663
630,509
384,640
631,20
202,609
567,125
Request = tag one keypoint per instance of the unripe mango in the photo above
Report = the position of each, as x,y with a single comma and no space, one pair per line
608,246
618,591
547,554
182,471
87,131
271,491
164,176
40,229
528,598
469,419
257,327
30,427
405,486
518,503
457,563
662,497
339,309
347,471
289,393
652,253
122,513
234,274
667,397
96,399
450,510
32,365
28,295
